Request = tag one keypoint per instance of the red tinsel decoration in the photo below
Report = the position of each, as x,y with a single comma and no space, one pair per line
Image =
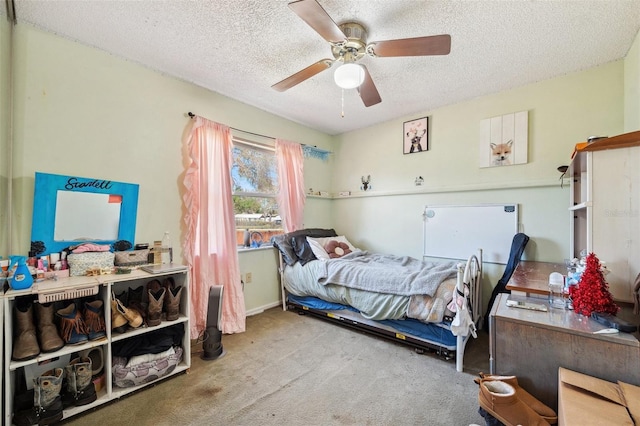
592,292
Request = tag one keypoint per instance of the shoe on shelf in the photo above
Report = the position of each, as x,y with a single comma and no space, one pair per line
96,355
78,386
169,283
48,337
72,326
131,315
153,285
172,302
94,319
122,297
47,403
154,308
134,296
25,342
118,321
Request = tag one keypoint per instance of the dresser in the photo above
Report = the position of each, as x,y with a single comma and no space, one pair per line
532,345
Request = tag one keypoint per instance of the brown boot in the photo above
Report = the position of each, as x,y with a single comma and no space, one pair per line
500,400
50,340
134,296
545,411
154,309
168,284
153,285
131,315
25,343
118,321
172,302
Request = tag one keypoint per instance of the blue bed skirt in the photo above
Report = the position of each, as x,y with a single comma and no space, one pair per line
436,333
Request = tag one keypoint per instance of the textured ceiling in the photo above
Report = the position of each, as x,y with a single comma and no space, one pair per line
239,48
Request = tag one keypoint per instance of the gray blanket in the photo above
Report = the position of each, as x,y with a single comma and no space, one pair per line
384,273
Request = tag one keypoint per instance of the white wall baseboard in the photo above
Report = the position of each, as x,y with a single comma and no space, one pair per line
261,309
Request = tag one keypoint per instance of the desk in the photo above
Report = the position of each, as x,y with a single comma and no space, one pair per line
532,345
532,278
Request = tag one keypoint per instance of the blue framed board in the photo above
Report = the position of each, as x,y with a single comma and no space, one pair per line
47,191
456,232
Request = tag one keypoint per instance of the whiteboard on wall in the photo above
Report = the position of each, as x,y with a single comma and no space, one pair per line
456,232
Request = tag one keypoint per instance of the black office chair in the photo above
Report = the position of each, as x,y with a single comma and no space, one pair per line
518,244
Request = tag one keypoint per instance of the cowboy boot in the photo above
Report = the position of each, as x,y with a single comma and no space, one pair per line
500,400
545,411
50,340
79,388
22,397
118,321
131,315
122,297
134,296
154,313
168,284
47,404
25,343
96,354
172,302
94,319
72,326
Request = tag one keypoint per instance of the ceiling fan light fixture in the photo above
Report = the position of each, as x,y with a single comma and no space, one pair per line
349,75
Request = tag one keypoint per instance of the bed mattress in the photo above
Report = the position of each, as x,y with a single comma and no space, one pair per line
302,280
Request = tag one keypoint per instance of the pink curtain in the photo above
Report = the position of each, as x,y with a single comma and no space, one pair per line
291,196
210,244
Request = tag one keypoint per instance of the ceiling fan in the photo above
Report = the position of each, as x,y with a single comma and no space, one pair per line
349,45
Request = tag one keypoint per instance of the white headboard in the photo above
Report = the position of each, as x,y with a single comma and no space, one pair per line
455,232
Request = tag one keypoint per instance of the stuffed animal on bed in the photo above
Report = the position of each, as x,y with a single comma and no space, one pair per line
337,249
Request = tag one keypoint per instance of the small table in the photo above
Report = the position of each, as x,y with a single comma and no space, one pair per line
532,278
532,345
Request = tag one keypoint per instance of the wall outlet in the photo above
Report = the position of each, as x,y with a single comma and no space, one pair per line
247,278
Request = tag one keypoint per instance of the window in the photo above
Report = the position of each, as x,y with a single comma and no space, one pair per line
255,184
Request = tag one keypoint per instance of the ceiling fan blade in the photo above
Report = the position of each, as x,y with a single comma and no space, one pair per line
419,46
317,18
368,91
302,75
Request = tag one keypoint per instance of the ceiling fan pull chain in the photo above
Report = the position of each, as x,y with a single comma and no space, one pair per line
342,103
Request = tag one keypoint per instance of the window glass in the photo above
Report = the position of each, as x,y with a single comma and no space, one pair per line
255,184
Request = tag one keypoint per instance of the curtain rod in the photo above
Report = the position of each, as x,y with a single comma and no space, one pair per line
311,150
192,115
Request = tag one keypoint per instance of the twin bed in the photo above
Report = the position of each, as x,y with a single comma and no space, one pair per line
434,306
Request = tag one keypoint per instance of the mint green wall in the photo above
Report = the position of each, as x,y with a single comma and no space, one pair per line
632,87
5,68
562,112
81,111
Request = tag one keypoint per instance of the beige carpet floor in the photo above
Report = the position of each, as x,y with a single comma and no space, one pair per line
288,369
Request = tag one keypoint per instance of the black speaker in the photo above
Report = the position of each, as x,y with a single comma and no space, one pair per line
212,343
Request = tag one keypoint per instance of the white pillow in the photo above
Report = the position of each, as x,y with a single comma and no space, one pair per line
317,248
318,245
